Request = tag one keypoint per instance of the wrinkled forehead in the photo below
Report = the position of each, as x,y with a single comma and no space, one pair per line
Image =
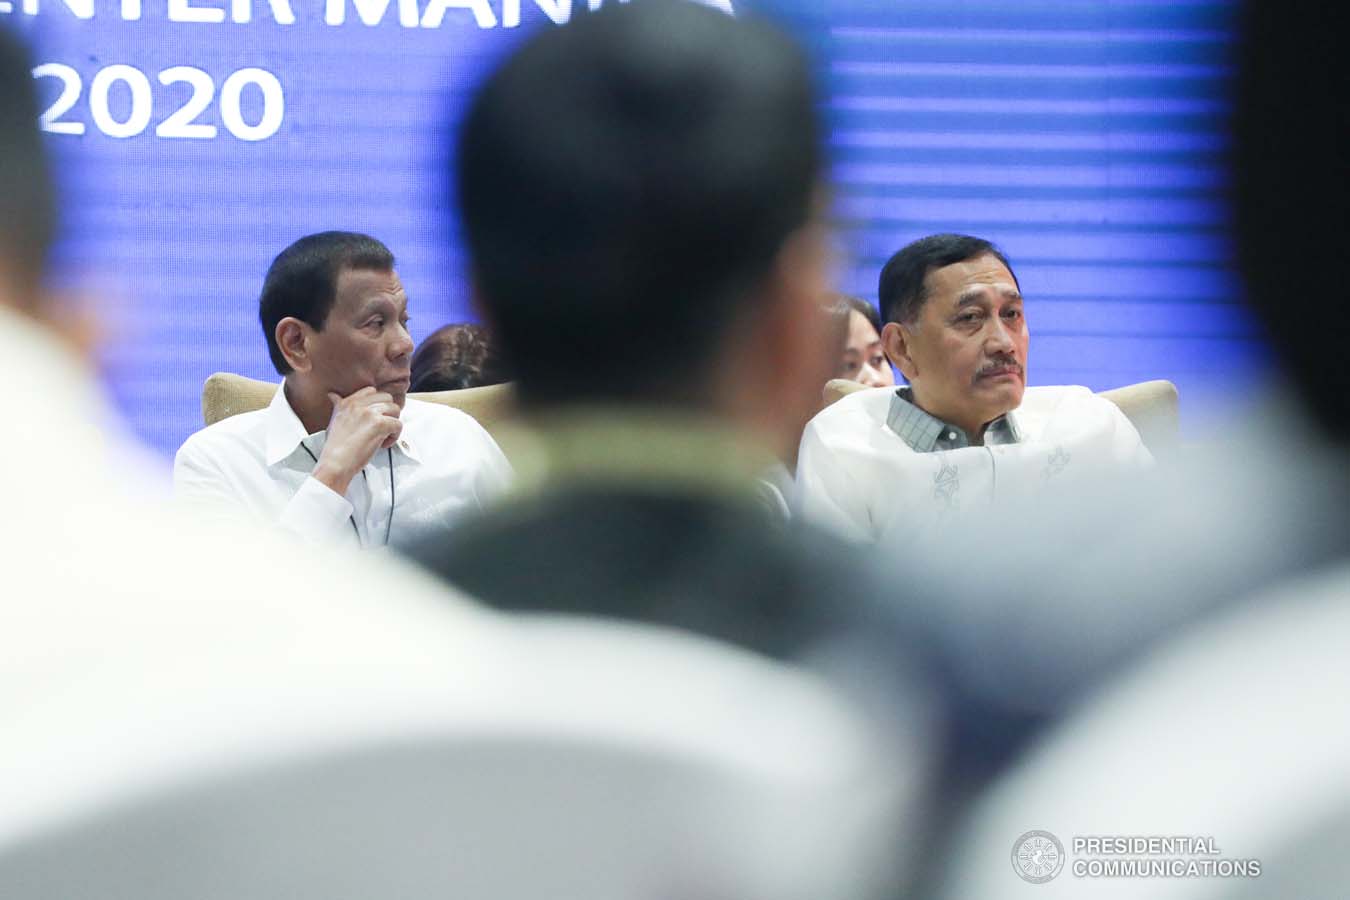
360,288
983,276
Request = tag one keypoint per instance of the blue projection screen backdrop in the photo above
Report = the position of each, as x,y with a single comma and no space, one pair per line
196,138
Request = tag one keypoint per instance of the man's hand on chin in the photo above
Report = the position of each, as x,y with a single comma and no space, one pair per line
362,424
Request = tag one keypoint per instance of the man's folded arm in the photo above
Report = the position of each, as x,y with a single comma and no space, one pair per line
201,485
1092,443
316,513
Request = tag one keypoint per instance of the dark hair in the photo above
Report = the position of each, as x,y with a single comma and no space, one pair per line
867,310
902,288
454,357
1291,193
838,308
302,280
624,182
27,197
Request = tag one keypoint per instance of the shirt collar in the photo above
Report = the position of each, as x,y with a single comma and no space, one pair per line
648,448
285,431
925,433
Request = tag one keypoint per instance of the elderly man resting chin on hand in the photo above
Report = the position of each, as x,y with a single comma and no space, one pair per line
966,431
341,454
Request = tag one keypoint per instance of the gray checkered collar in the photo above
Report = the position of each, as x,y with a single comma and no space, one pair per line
926,433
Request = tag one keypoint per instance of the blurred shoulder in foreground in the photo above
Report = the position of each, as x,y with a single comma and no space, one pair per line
1176,644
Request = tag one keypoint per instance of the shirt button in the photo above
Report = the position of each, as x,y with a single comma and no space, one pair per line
951,435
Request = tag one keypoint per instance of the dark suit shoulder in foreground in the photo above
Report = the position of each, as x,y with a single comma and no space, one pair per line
715,566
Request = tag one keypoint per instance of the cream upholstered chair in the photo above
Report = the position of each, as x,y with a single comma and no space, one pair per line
1154,409
226,394
1151,406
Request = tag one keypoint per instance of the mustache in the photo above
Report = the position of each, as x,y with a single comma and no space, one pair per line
1000,363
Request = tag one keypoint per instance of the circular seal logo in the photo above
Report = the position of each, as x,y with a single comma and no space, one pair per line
1037,856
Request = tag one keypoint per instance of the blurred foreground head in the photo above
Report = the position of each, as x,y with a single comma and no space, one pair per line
639,191
27,202
1292,194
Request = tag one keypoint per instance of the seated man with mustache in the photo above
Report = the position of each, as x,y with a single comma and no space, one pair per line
341,454
965,432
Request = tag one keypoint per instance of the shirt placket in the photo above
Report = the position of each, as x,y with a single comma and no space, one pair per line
359,494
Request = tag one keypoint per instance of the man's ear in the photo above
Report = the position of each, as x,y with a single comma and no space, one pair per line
292,336
895,340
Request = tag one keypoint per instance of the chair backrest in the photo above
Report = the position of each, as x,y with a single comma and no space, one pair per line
664,766
1152,407
225,394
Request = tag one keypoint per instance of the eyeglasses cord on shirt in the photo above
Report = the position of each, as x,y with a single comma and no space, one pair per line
388,526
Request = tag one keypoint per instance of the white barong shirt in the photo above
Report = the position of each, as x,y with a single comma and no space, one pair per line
875,467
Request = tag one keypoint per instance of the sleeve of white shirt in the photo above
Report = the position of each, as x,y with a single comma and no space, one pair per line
827,493
316,513
200,483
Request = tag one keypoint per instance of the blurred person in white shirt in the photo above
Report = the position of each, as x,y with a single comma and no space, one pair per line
1170,658
139,649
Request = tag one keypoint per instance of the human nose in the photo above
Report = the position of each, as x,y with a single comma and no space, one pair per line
871,377
402,344
1000,337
